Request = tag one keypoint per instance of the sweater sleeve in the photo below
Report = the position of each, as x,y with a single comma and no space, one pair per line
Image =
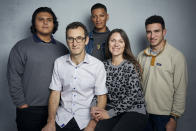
180,85
15,70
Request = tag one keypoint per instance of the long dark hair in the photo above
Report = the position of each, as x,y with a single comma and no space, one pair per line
44,9
127,54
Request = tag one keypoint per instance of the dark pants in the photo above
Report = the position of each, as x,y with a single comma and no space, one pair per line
157,122
71,126
31,118
131,121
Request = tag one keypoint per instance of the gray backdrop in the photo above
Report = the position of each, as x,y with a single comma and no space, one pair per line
179,15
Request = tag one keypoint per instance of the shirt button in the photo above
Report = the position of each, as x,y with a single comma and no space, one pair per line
74,88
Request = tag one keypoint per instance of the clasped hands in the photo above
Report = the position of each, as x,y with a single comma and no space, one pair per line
99,114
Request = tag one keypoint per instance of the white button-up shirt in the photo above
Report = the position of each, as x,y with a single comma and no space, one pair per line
78,85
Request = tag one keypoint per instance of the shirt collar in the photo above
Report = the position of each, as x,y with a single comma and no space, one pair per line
38,40
148,51
86,59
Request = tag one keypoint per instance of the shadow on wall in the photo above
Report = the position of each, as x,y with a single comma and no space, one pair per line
88,23
142,43
7,110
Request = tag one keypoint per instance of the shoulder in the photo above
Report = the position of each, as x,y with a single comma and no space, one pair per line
128,66
62,58
24,41
58,42
106,62
128,63
90,34
141,54
93,61
21,44
62,46
174,52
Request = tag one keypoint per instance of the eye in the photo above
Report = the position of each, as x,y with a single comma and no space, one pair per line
121,41
70,39
156,31
147,32
40,19
79,38
93,17
102,15
50,20
113,40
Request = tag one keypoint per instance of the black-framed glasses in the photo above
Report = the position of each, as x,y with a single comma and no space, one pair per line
77,39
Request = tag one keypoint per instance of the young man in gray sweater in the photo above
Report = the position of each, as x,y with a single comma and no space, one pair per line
30,68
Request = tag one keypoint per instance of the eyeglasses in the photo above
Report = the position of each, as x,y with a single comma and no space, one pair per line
77,39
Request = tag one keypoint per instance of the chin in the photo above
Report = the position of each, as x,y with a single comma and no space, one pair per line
46,33
99,27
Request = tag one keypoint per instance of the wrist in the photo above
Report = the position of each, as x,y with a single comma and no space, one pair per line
23,106
51,121
173,117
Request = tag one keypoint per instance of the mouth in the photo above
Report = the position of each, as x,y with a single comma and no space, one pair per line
75,48
153,40
45,27
98,23
115,49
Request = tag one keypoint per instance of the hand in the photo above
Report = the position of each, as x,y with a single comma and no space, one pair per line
93,111
23,106
171,125
101,114
89,129
49,127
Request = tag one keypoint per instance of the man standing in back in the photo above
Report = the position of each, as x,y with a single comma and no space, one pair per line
98,36
29,70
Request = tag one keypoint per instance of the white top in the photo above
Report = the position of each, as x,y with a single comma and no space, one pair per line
78,85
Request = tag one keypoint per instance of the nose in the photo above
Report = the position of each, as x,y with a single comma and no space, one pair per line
152,35
74,42
116,43
45,21
97,19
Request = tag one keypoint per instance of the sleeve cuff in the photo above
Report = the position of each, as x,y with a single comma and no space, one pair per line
111,113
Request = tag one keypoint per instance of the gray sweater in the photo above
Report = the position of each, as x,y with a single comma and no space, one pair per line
124,89
29,70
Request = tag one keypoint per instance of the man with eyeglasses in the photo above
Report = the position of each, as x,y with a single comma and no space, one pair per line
77,78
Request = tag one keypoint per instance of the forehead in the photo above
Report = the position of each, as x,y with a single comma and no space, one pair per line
98,11
44,14
76,32
154,26
115,35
